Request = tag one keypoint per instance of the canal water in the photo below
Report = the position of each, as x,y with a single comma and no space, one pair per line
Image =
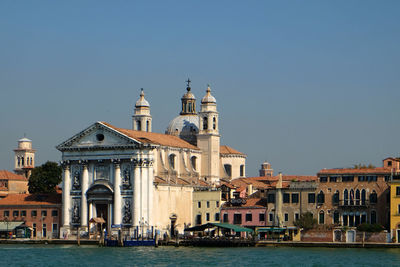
58,255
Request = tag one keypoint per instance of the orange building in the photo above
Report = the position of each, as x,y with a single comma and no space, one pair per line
41,213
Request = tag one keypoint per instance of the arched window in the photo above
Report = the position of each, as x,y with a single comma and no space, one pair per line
321,198
336,217
373,217
172,161
346,197
138,125
358,197
373,197
228,169
214,123
147,126
205,123
351,197
22,161
31,162
19,161
335,198
193,160
241,170
189,107
321,217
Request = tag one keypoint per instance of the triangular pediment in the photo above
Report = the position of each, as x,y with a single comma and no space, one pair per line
98,136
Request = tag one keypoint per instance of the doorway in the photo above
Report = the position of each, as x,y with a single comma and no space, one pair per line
351,236
102,212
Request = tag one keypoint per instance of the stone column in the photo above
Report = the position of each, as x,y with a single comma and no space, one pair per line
84,188
90,210
66,201
150,190
136,192
117,194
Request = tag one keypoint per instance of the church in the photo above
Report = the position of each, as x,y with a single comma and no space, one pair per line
137,178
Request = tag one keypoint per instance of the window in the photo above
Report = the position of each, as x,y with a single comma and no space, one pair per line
397,190
217,204
286,217
216,216
241,170
351,197
296,216
345,220
138,125
346,197
398,209
6,213
237,218
372,178
198,219
373,197
23,213
44,213
54,213
373,217
336,217
321,198
214,123
295,198
19,161
55,228
311,198
33,213
194,162
44,230
199,204
228,169
208,204
172,161
358,197
207,217
205,123
226,217
286,198
363,197
15,213
271,198
261,217
362,178
348,178
147,126
271,217
249,217
34,229
335,198
323,179
389,163
321,217
333,179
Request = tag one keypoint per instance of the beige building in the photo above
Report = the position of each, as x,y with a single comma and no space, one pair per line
24,157
206,205
11,183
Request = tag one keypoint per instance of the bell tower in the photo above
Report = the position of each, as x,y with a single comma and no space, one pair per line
208,139
24,157
141,119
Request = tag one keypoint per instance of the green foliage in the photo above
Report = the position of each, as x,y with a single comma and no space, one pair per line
44,178
306,221
363,166
367,227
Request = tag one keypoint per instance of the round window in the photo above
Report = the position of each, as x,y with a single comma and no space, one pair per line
100,137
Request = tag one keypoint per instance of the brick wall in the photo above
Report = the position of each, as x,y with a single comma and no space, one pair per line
317,236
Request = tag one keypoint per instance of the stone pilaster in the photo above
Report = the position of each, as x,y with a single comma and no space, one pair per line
66,199
117,193
84,188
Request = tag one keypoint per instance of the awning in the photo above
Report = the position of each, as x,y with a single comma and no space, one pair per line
233,227
270,229
97,220
9,226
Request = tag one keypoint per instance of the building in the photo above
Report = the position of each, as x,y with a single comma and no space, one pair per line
40,213
11,183
24,159
137,179
351,196
393,164
206,205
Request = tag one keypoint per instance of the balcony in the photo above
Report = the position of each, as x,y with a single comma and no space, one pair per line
349,204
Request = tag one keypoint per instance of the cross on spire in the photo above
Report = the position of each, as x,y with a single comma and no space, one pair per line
188,82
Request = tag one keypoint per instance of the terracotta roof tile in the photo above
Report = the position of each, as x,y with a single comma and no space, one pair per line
229,150
378,170
11,176
154,138
31,199
255,202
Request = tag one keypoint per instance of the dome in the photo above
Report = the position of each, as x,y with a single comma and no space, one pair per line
208,98
142,102
188,94
24,140
184,126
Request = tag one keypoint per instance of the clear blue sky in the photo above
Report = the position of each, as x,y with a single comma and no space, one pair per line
304,85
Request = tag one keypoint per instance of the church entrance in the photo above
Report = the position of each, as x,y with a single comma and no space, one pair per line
102,212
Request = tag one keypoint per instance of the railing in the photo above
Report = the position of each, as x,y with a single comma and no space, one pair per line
353,203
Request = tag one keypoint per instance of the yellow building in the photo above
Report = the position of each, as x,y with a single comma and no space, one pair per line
395,210
206,205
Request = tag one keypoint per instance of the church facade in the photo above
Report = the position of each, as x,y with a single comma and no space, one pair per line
136,178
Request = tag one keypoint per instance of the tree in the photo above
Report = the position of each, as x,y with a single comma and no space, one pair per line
306,221
363,166
44,178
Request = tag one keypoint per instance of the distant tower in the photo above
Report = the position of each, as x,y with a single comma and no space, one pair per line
24,157
208,139
141,119
266,170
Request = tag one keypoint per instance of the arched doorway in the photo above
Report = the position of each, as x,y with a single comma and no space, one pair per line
100,198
